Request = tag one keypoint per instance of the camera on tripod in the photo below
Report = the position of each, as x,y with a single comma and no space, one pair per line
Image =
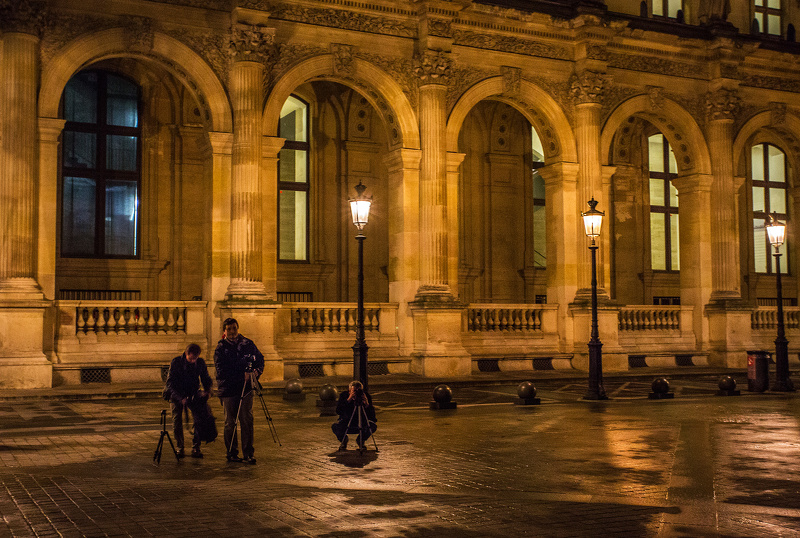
358,396
248,367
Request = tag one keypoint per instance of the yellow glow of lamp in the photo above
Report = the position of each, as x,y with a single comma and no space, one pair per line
359,207
593,220
776,230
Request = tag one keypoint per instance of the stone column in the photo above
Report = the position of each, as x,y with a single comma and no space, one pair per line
454,161
18,167
270,146
722,104
49,133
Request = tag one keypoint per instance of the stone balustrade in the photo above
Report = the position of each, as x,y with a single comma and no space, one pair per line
339,317
133,317
766,318
509,318
650,318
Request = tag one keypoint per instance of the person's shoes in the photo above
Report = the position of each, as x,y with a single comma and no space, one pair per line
196,453
234,458
343,446
360,443
250,459
180,453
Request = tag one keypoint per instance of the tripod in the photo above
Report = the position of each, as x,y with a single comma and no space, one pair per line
255,387
164,433
363,425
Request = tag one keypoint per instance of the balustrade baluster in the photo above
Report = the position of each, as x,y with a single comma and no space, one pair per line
180,324
80,323
170,325
302,321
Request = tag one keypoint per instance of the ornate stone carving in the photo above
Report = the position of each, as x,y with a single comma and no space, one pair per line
722,104
440,28
212,47
286,57
461,79
597,52
588,87
656,95
253,43
777,114
510,44
433,67
772,83
653,64
223,5
401,70
546,132
345,20
342,59
26,16
138,33
61,29
512,79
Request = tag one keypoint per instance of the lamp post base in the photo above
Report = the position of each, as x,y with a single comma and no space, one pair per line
783,386
595,395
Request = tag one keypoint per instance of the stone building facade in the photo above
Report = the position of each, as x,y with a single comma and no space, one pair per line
167,164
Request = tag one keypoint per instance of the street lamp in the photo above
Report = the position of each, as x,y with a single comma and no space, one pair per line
359,207
776,231
592,220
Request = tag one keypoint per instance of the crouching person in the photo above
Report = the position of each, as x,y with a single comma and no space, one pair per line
356,415
186,373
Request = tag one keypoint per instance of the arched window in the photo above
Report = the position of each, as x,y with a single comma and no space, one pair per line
667,8
768,178
768,15
664,245
539,215
100,167
293,175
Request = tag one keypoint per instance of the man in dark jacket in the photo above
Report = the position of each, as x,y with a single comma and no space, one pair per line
186,372
239,363
351,404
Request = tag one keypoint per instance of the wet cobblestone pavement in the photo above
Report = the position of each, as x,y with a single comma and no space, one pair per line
697,465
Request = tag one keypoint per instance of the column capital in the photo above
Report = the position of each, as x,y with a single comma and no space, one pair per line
252,43
403,159
270,146
693,183
558,173
23,16
433,67
588,87
221,142
722,104
454,160
50,129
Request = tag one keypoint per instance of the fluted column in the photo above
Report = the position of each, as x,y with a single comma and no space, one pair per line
270,147
433,177
454,161
49,132
18,165
247,98
722,105
587,91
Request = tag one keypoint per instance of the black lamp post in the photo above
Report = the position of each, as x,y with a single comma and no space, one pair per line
359,207
776,231
592,220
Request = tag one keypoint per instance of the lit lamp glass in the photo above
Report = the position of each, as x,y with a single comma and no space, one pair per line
776,230
593,220
359,207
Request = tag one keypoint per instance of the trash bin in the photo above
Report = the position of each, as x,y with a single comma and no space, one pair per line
758,371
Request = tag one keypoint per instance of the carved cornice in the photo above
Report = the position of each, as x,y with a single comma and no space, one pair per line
722,104
515,45
588,87
440,27
433,67
24,16
224,5
344,20
653,64
772,83
253,43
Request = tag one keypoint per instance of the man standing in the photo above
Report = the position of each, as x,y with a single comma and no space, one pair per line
186,372
239,363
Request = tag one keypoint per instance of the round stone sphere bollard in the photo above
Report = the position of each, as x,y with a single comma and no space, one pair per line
526,390
294,390
328,393
727,383
660,385
442,394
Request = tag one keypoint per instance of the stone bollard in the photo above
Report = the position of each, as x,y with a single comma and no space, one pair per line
727,387
660,388
327,400
442,398
294,391
527,394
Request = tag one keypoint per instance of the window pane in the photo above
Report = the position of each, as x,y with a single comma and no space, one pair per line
122,102
758,199
773,25
538,186
656,192
674,243
536,143
673,164
777,164
539,236
658,7
293,230
760,245
673,195
777,201
121,153
774,4
122,206
78,216
674,6
80,149
658,244
759,3
292,125
293,166
80,98
757,164
656,153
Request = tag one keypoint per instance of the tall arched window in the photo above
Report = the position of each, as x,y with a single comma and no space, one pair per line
667,8
101,156
768,15
768,177
293,174
664,245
